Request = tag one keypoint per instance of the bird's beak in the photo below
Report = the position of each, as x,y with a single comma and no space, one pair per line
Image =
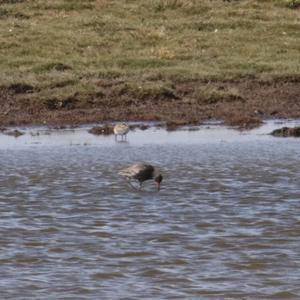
158,186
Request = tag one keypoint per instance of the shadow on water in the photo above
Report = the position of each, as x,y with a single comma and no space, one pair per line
225,224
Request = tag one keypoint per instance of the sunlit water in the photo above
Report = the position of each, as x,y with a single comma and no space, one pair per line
226,224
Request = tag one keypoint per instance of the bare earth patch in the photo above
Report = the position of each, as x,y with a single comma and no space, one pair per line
242,102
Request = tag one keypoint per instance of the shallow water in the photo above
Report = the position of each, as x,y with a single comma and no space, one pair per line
225,225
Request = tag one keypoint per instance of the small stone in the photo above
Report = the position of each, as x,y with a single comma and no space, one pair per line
15,133
287,132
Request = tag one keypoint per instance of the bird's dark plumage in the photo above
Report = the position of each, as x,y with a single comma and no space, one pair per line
142,172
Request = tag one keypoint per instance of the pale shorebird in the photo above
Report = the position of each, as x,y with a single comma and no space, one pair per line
142,172
121,129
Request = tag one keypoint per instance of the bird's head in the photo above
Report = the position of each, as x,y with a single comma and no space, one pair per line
158,179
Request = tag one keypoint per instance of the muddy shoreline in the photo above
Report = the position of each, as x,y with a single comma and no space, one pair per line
155,134
242,102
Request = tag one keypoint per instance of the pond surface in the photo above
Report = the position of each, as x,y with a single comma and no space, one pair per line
225,225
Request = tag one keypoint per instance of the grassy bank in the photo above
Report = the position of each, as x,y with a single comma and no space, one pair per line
78,55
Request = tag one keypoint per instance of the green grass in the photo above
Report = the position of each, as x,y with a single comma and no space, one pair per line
145,40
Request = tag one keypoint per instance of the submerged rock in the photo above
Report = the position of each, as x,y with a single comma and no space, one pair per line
15,133
287,132
139,126
102,130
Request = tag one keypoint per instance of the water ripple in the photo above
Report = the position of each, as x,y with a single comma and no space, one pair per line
225,225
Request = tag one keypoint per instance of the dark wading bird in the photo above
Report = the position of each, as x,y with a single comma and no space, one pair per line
142,172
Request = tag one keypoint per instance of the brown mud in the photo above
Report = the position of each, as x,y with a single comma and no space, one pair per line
243,103
102,130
